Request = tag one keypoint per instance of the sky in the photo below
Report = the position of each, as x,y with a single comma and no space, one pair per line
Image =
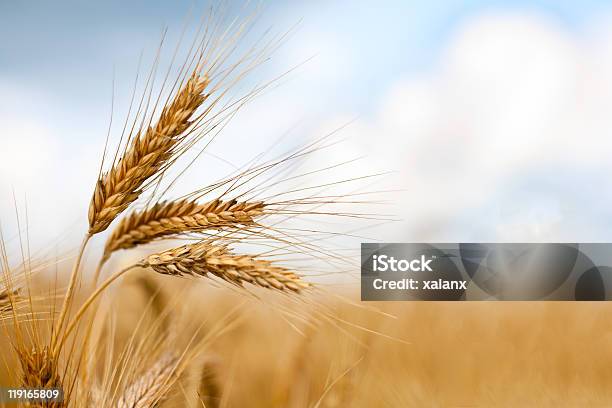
493,116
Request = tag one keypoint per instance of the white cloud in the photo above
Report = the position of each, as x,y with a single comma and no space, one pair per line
42,169
26,150
513,95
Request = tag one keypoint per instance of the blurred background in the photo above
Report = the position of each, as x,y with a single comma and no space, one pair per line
492,115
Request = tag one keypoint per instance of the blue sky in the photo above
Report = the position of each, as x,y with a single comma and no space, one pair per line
421,76
55,45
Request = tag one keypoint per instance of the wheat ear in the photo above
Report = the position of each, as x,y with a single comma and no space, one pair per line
146,156
179,217
8,300
152,386
203,258
40,370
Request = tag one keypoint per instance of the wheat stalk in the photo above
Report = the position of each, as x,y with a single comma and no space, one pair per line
151,386
146,156
203,258
179,217
95,397
209,390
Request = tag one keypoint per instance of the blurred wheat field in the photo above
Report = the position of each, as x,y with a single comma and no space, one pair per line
443,354
459,354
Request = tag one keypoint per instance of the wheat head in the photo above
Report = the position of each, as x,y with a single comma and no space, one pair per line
152,386
149,152
8,300
40,370
179,217
203,258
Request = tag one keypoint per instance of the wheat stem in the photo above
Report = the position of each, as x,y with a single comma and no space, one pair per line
70,292
87,337
97,272
89,301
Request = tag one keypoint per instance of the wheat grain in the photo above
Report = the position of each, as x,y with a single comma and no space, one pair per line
8,300
148,154
152,386
40,370
203,258
179,217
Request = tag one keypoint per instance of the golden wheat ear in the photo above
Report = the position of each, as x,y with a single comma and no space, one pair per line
8,301
179,217
39,370
150,151
151,387
203,259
